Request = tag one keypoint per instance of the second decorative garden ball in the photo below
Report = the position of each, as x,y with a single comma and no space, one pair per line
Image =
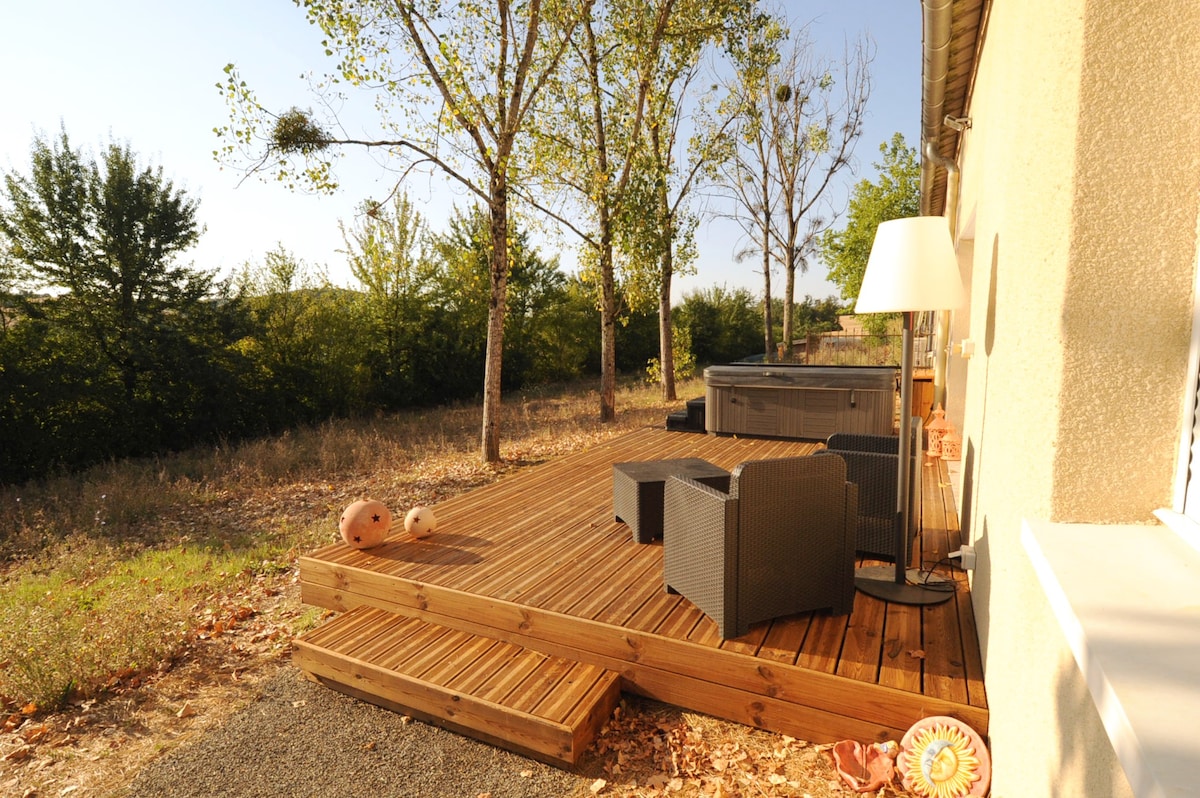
420,522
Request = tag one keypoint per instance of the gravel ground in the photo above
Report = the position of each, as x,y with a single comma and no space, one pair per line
301,739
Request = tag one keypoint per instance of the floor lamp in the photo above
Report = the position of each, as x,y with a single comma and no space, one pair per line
912,267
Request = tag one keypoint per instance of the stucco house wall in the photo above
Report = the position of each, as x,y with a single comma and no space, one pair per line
1080,197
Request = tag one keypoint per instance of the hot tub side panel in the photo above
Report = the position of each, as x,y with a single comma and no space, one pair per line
800,402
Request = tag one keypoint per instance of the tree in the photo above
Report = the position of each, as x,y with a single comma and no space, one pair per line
658,226
306,340
744,162
798,129
107,233
815,133
896,194
593,146
386,252
817,315
479,66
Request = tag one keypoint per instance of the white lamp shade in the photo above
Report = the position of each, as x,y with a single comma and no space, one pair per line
912,267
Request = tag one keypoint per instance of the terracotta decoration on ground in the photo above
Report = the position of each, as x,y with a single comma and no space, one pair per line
365,523
865,768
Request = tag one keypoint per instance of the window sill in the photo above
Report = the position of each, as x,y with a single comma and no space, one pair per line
1128,600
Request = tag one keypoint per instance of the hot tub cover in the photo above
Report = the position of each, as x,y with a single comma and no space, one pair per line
758,375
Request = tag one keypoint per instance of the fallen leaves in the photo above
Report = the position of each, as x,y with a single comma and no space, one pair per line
648,749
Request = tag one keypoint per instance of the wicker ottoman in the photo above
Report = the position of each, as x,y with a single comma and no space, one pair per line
638,490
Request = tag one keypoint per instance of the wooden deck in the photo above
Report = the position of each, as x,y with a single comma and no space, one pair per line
537,560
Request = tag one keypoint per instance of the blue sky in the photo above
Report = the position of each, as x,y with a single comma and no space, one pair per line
143,71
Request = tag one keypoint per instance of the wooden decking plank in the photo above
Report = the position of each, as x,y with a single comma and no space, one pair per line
577,574
680,621
524,574
646,585
785,638
541,682
634,653
502,706
935,544
558,704
902,655
465,657
528,553
596,705
824,643
945,674
649,616
972,659
421,655
863,642
507,679
493,661
592,603
477,717
334,634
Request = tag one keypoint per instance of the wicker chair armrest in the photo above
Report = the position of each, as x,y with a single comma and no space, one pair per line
860,442
699,547
875,476
883,444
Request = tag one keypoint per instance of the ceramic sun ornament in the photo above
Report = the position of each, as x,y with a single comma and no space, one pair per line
941,757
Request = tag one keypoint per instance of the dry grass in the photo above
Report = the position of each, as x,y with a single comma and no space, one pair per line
252,509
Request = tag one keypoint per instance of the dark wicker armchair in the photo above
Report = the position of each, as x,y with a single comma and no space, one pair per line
781,541
871,462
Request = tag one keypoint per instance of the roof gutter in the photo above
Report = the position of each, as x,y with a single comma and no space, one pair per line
935,61
935,58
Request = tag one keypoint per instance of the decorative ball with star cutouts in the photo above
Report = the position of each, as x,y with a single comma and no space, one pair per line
420,522
365,523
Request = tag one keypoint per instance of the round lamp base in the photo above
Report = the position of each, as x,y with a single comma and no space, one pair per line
880,581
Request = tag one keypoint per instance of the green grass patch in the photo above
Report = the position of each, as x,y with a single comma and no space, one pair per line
103,612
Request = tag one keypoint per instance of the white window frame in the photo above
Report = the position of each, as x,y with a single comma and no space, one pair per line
1186,520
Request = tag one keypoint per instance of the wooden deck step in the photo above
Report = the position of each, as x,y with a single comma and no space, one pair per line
545,707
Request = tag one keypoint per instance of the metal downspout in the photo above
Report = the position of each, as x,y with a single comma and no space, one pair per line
942,335
935,58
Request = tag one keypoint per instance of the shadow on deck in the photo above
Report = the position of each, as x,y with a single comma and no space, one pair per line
535,600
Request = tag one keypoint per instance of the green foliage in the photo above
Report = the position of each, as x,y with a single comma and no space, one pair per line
681,354
387,253
723,325
126,356
295,131
305,338
895,194
817,315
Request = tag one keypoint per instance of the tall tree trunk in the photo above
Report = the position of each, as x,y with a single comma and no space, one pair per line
768,320
666,335
789,289
608,331
608,294
498,207
788,309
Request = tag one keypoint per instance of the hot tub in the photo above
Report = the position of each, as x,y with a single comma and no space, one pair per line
793,401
